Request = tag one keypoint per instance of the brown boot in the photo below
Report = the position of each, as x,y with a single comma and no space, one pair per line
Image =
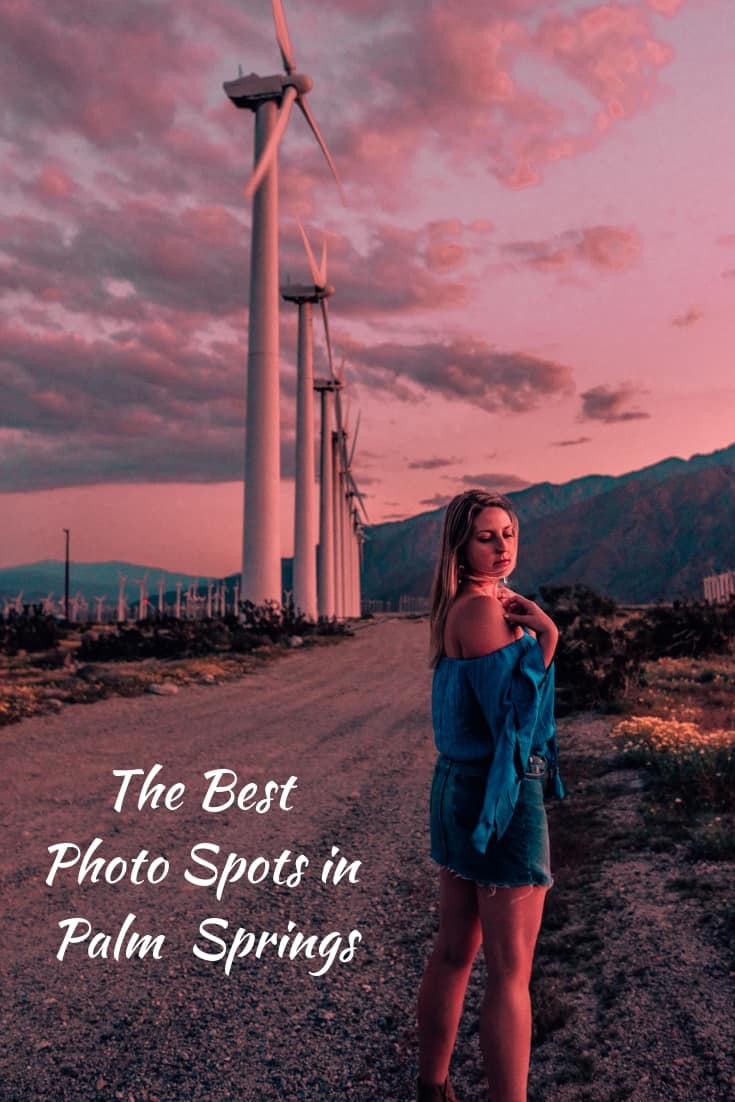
435,1092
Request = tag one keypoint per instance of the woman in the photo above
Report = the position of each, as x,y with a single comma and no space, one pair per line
492,709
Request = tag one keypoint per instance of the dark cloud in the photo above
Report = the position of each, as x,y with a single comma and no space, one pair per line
187,262
437,500
608,404
466,370
498,481
571,443
690,317
607,248
433,464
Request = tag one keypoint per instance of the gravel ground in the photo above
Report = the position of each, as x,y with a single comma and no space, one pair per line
632,997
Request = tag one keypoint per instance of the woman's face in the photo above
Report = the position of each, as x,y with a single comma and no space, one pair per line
492,548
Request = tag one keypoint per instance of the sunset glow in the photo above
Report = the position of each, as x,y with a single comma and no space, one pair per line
534,272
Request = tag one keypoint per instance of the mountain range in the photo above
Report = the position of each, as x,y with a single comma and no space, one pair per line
648,534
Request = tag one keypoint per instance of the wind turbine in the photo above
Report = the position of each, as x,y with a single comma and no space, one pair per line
271,99
326,388
345,490
305,296
143,598
122,604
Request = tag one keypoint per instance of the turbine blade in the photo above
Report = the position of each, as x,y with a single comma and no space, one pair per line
338,410
322,145
316,274
328,339
354,438
270,149
360,498
323,265
284,42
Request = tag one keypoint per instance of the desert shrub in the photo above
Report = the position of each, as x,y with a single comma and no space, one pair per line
595,660
279,621
694,766
684,629
31,630
167,637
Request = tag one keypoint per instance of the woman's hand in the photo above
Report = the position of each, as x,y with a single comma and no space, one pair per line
520,610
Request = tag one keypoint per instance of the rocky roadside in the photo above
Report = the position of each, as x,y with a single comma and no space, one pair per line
631,980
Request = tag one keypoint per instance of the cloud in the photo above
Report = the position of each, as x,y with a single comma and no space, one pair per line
111,75
401,271
181,261
571,443
606,248
607,404
504,114
665,7
436,501
690,317
495,481
433,464
464,369
610,50
150,405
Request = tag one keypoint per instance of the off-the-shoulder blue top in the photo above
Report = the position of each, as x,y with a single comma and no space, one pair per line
500,704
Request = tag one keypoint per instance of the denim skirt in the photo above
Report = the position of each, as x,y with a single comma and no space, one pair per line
521,857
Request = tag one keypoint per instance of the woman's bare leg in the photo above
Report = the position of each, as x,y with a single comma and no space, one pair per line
511,920
447,971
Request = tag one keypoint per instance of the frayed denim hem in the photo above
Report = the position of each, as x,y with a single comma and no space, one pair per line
493,887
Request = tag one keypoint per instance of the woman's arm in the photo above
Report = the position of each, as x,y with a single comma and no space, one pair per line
520,610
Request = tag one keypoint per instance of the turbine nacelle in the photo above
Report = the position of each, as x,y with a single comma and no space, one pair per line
252,90
305,292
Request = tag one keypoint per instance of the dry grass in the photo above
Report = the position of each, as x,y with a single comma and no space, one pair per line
30,685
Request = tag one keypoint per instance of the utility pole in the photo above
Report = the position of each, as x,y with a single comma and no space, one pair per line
66,577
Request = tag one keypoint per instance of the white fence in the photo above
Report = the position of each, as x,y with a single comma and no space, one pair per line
405,603
719,587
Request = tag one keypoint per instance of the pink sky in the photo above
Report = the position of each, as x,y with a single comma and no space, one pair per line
535,273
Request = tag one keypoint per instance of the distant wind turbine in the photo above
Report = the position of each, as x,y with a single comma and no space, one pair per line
326,578
305,536
122,604
143,599
271,99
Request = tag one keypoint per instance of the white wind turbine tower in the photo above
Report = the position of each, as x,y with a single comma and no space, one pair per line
326,587
345,490
353,526
271,98
122,604
304,560
143,599
161,587
99,604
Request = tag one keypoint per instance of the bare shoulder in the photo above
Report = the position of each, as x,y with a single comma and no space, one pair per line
476,626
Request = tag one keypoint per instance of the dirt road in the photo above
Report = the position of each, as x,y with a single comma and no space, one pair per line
351,724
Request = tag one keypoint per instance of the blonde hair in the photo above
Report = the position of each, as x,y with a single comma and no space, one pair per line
458,521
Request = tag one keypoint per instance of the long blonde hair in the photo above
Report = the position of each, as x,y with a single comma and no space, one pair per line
458,521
